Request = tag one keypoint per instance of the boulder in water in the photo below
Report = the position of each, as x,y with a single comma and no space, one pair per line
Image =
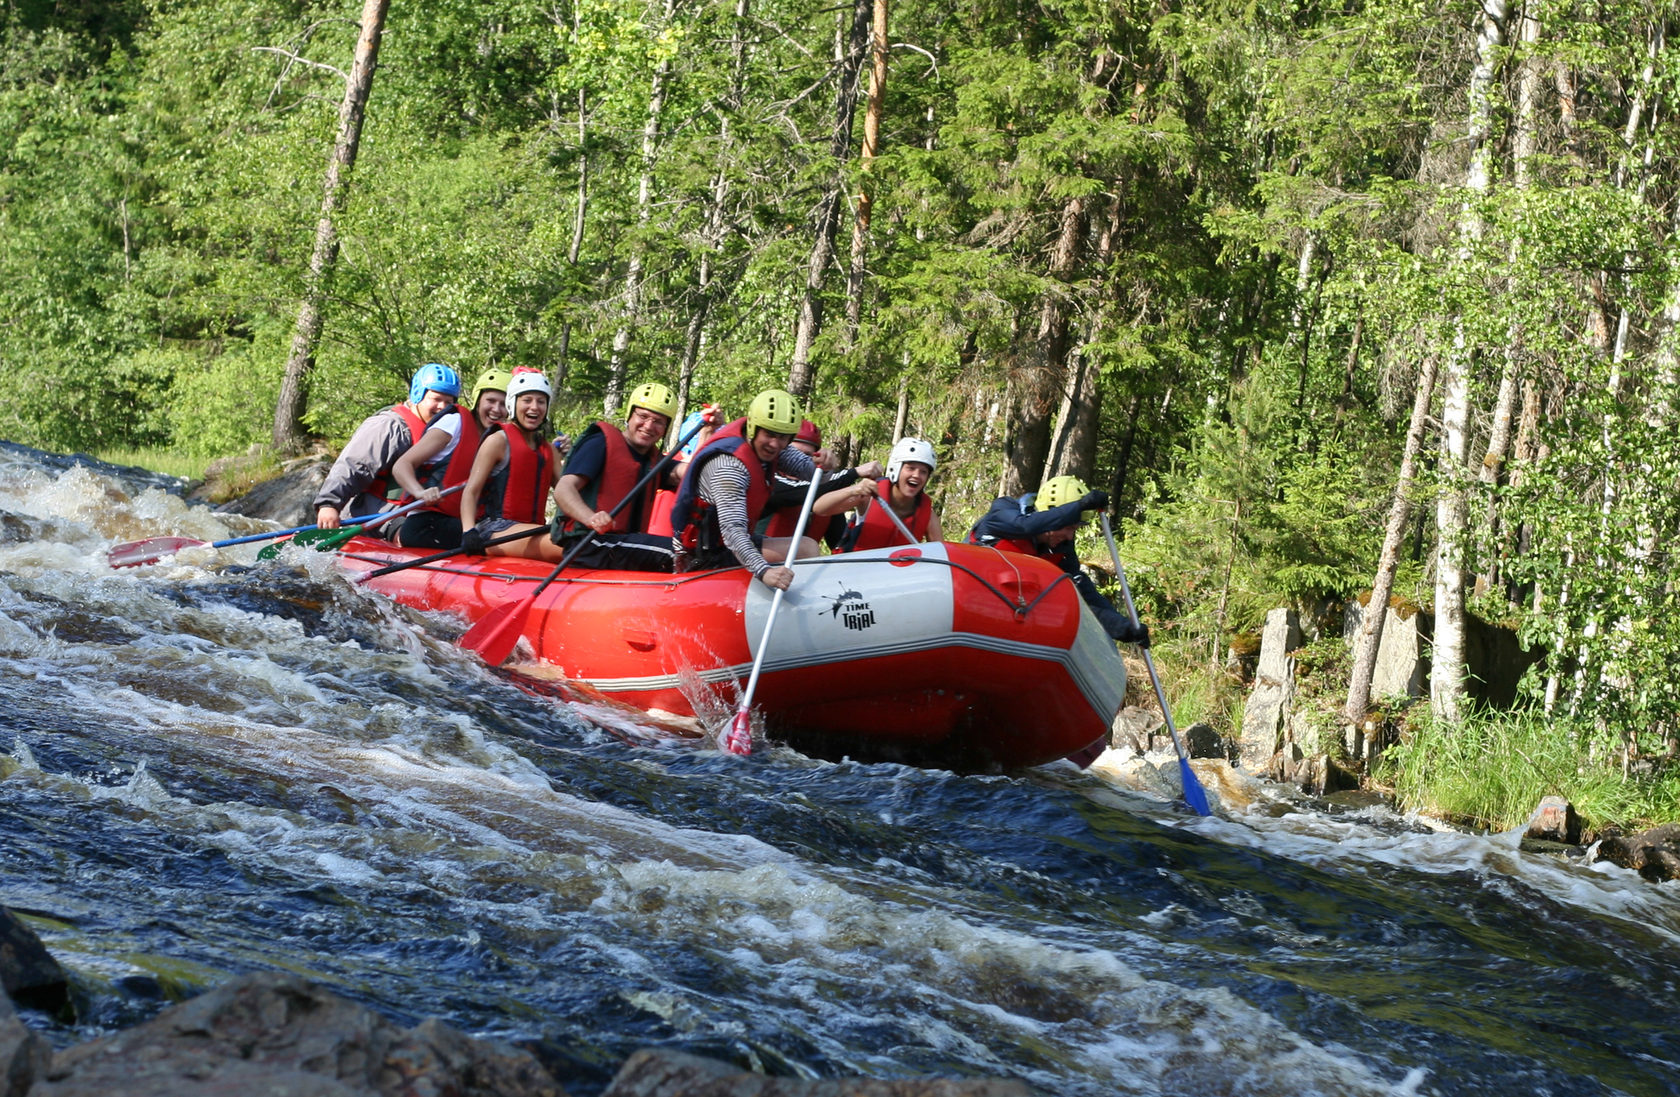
1654,854
28,973
24,1053
281,1036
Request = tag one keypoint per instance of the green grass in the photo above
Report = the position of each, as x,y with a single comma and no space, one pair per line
165,461
1492,770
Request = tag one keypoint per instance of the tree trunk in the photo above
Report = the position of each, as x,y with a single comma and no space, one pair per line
694,340
294,387
1524,145
871,145
801,374
1394,535
1038,384
562,354
631,310
1452,506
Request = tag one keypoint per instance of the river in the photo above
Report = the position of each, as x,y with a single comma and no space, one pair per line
216,766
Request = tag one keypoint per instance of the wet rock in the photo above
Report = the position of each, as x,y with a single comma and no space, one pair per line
1134,728
1654,854
660,1073
24,1053
286,498
1554,820
28,973
1201,741
281,1036
1269,703
1322,775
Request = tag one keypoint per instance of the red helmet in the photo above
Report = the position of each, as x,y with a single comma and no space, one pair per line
809,434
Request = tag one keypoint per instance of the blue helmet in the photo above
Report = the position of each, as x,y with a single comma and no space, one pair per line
432,377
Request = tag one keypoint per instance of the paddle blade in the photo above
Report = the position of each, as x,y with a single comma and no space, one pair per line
132,554
738,739
498,632
1194,794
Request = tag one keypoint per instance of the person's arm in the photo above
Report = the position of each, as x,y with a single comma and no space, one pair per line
935,532
723,484
406,471
491,451
376,443
568,496
838,502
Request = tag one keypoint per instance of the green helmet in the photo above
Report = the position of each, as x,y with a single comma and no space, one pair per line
491,380
1060,489
775,411
653,396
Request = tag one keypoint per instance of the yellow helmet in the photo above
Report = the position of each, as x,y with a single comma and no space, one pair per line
491,380
654,397
1058,490
775,411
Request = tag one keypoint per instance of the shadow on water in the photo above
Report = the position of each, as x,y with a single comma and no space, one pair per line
216,769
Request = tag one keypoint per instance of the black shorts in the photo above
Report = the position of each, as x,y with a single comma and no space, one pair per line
430,529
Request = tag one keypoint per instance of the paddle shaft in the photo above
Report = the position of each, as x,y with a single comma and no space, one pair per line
896,520
1193,793
739,739
664,463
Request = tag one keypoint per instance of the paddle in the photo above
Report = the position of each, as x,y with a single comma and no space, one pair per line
132,554
496,633
1194,794
896,520
739,738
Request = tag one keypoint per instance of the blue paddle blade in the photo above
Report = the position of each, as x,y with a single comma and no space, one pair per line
1194,794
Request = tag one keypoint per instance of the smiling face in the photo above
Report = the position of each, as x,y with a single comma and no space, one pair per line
530,409
645,428
432,403
768,445
912,478
491,408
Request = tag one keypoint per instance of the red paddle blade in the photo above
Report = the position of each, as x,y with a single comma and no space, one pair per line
738,739
132,554
497,632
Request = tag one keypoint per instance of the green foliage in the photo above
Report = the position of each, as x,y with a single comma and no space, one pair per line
1493,769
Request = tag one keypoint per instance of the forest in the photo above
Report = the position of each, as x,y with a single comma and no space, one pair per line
1368,299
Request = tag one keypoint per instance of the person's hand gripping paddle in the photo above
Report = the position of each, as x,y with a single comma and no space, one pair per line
738,739
1194,794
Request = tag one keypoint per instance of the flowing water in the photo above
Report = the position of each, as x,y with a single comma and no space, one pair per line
215,765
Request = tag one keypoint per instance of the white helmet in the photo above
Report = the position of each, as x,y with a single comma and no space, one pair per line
527,380
918,450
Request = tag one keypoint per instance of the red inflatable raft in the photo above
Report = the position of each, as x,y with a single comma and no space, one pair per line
952,655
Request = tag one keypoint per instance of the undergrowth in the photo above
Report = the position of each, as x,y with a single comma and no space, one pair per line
1494,768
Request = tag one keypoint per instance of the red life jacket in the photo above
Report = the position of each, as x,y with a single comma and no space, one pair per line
455,470
530,477
691,511
877,530
1022,545
380,486
619,474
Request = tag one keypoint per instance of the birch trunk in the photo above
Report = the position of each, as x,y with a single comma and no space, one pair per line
562,354
1388,562
631,311
694,339
1452,506
294,386
801,374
